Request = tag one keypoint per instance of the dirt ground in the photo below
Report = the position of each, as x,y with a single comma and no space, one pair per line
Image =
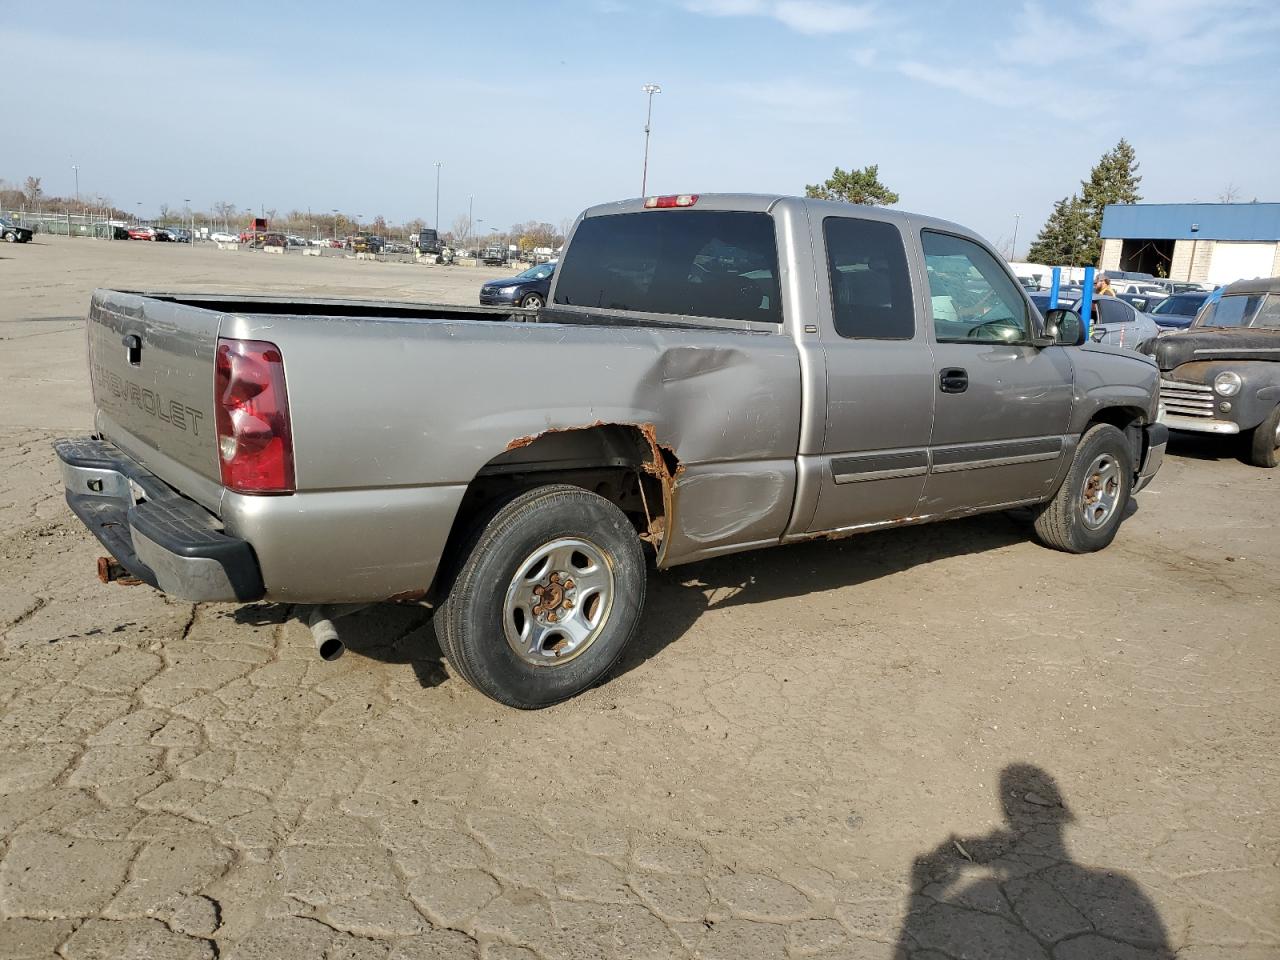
940,742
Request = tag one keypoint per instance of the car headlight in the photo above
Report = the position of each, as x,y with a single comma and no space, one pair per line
1227,384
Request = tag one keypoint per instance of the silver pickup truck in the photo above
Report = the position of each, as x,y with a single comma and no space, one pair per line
711,374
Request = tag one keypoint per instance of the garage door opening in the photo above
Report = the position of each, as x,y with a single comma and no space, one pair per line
1147,256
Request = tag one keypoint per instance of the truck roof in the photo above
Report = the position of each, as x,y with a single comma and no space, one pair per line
767,202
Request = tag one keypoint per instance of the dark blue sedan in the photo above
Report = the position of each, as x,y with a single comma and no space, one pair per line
528,289
1177,312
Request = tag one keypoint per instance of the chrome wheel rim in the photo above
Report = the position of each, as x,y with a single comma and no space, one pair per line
1101,495
558,601
533,303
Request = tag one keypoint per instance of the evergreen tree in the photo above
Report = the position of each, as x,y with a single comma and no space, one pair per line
1071,235
853,186
1064,236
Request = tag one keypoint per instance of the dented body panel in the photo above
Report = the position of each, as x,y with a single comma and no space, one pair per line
738,433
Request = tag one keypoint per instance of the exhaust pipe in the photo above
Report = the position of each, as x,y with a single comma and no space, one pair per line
324,634
328,644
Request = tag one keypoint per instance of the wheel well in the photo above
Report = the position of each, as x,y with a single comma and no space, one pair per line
1129,421
623,463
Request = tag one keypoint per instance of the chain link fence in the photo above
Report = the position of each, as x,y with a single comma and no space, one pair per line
68,224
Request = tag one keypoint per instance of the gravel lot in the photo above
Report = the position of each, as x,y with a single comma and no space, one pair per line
938,742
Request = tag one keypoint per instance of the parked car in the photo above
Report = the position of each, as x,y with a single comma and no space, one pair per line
13,232
142,233
1140,302
1222,374
1172,287
1177,312
366,243
221,237
683,397
1115,322
528,289
178,234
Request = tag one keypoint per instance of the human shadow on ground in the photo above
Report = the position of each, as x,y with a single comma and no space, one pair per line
1016,893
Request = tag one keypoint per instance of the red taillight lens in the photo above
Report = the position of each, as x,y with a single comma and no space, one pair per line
255,442
677,200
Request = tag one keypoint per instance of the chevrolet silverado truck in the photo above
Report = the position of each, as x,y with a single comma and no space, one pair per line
711,374
1222,374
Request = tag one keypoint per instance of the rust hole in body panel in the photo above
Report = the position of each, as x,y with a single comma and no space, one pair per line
661,464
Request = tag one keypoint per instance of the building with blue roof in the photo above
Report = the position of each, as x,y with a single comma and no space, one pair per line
1204,242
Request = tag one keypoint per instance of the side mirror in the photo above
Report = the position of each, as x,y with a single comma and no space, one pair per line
1065,326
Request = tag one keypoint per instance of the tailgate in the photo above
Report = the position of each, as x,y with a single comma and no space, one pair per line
151,363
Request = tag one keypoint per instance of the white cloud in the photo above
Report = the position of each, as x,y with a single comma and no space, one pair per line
793,100
810,17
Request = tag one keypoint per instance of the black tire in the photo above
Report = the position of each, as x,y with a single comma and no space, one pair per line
532,301
10,236
1264,441
1061,523
470,622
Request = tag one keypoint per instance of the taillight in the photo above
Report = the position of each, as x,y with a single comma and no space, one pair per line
677,200
255,443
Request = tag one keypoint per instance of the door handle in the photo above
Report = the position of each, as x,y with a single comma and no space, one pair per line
954,380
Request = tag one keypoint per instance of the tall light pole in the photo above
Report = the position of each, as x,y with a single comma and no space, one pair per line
191,213
76,168
439,164
1013,249
650,89
335,223
470,202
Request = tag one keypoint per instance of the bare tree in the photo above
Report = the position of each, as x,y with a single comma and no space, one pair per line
32,190
165,212
1230,193
566,224
224,211
461,228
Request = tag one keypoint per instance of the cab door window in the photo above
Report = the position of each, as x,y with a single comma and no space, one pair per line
974,298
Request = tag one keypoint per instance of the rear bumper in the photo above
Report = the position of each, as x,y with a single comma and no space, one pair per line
159,536
1156,440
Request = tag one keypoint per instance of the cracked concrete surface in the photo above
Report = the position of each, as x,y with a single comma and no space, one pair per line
940,742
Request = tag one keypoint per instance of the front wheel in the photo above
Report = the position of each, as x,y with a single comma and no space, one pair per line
532,301
1085,513
548,596
1264,443
11,237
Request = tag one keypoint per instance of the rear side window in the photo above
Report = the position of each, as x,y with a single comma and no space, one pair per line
1114,311
870,286
696,263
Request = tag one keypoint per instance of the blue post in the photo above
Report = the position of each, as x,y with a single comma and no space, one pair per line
1054,284
1086,301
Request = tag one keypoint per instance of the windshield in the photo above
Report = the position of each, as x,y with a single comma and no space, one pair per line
1181,305
540,272
5,221
1243,310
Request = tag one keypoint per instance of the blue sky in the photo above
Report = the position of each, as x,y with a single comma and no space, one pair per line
974,112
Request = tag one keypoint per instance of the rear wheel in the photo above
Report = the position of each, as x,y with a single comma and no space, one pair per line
1264,442
1085,513
547,598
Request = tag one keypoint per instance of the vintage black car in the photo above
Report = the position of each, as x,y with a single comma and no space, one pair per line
1222,374
14,233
